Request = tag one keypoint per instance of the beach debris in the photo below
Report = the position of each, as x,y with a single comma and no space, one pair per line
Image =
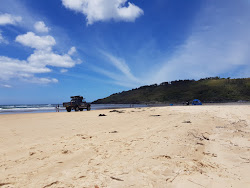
221,127
232,143
118,111
190,133
199,143
3,184
117,179
32,153
163,156
205,137
102,115
56,182
206,153
84,136
202,137
155,115
214,155
247,160
175,177
65,151
186,122
113,132
96,186
196,183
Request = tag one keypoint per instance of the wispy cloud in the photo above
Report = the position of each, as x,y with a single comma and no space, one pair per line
63,70
2,39
6,86
121,75
218,44
36,80
19,10
121,65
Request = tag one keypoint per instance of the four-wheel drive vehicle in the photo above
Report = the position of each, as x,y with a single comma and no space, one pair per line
77,103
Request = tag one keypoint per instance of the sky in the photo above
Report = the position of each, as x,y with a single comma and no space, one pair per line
51,50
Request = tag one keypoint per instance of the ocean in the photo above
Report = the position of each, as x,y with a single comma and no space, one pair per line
40,108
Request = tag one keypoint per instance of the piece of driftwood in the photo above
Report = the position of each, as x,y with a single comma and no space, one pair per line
117,179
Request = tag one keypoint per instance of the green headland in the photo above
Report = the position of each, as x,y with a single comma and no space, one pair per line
212,89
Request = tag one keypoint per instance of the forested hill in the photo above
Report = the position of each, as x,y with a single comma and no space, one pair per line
213,89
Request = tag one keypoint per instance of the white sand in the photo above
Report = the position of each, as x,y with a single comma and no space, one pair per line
130,149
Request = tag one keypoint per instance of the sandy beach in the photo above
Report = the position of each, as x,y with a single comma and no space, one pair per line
177,146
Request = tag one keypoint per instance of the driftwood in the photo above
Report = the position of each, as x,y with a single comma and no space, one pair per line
56,182
117,179
118,111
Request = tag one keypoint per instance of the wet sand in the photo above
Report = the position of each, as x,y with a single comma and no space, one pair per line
178,146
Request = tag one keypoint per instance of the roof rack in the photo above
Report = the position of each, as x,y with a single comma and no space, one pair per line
76,97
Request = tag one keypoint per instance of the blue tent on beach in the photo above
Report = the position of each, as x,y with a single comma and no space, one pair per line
196,102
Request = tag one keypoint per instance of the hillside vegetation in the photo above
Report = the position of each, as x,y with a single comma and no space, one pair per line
213,89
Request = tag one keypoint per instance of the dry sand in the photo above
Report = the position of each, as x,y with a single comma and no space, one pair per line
188,146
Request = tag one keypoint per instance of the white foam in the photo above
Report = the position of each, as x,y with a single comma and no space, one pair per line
26,109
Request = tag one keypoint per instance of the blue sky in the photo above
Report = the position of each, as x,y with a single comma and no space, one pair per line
50,50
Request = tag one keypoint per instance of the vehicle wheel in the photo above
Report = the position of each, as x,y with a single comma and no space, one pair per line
88,108
81,109
68,109
77,109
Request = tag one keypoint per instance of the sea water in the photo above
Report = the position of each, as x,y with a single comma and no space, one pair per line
39,108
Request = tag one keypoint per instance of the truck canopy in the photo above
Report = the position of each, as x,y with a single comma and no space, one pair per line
77,97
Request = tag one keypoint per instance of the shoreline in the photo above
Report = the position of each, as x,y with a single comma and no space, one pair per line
116,106
62,109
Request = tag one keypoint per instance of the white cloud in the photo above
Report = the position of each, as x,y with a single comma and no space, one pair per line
14,68
36,80
63,70
41,58
27,69
38,42
9,19
104,10
2,39
72,50
38,62
6,86
41,27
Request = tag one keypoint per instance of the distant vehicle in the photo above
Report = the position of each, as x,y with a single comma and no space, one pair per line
77,103
196,102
